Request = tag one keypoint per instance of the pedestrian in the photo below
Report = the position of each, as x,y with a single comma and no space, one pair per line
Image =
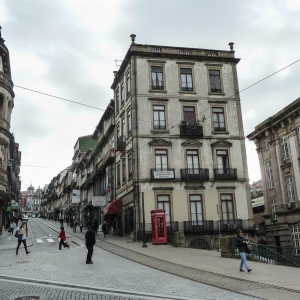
68,221
242,243
12,226
96,226
90,240
104,228
62,236
22,239
75,225
80,225
71,223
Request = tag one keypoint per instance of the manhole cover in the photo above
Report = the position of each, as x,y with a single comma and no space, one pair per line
28,298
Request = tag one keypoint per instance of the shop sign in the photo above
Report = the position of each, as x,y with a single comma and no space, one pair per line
163,174
98,201
76,196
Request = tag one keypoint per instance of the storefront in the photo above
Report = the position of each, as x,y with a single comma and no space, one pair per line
113,216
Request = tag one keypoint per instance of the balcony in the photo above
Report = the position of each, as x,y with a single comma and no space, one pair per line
191,129
121,142
225,174
194,174
200,226
231,225
162,174
109,124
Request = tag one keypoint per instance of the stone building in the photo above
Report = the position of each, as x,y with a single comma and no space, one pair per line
277,141
179,139
10,156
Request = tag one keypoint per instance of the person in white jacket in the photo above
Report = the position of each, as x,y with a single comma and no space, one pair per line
12,226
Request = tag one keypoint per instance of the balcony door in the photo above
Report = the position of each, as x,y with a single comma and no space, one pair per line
163,202
196,209
189,115
192,161
222,162
161,160
227,207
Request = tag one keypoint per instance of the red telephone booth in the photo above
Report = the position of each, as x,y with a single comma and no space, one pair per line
159,227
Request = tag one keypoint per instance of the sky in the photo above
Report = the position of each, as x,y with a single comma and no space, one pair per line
68,49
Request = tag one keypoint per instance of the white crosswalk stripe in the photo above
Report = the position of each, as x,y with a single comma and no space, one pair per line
50,240
40,241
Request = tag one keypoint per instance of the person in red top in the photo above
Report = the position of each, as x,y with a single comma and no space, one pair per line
62,236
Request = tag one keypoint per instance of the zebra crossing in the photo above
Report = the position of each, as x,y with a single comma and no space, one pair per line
40,241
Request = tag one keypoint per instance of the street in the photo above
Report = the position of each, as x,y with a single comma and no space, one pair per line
52,274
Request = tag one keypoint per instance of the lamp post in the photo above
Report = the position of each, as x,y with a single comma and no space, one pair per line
144,231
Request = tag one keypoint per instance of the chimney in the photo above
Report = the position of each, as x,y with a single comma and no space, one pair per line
132,38
231,47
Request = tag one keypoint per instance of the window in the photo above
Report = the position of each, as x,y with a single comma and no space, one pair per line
290,189
122,93
265,144
123,170
118,131
222,162
129,121
163,202
269,175
273,208
227,207
284,148
186,79
157,78
118,175
219,119
189,114
295,234
161,159
196,209
130,165
159,117
123,127
215,81
128,82
192,161
117,100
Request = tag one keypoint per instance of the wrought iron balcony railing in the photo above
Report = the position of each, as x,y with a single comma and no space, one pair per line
231,225
199,226
194,174
225,174
191,129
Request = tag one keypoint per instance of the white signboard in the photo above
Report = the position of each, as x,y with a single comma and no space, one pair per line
76,196
163,174
98,201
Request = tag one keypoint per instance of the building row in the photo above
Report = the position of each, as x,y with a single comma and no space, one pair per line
172,136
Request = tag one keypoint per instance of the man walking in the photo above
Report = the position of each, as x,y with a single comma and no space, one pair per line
90,241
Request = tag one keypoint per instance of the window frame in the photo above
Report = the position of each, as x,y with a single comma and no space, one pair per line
124,171
233,206
289,186
221,155
117,96
273,208
128,82
118,177
269,174
265,144
169,202
160,155
195,114
192,170
122,93
295,237
215,67
159,113
284,148
192,78
157,63
218,129
129,121
201,205
130,166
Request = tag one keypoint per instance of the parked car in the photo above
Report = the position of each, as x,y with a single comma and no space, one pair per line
24,218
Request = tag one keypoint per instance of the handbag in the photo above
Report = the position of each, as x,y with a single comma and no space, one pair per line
18,235
249,249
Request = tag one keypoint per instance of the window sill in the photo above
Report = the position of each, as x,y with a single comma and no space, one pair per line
220,132
153,131
158,91
219,94
187,92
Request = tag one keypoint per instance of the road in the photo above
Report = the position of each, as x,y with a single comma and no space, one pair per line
52,274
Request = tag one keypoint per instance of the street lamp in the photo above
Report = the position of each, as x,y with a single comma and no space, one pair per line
144,231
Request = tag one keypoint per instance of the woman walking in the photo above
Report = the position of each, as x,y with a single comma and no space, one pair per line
62,236
242,243
22,239
12,226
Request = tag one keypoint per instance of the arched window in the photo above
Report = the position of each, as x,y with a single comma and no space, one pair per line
1,106
8,111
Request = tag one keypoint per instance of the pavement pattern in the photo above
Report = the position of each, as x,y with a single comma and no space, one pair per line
114,274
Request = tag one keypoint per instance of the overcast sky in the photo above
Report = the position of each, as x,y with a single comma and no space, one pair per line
68,49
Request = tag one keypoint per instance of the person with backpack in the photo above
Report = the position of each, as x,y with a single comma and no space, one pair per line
22,238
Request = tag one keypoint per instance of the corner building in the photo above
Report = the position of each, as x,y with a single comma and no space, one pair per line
277,141
180,139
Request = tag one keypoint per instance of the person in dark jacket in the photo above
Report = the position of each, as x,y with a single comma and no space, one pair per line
96,226
90,240
242,243
104,228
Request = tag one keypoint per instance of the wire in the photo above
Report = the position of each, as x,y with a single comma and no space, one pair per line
201,112
34,166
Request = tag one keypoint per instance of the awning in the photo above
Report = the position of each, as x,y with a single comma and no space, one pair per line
113,207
